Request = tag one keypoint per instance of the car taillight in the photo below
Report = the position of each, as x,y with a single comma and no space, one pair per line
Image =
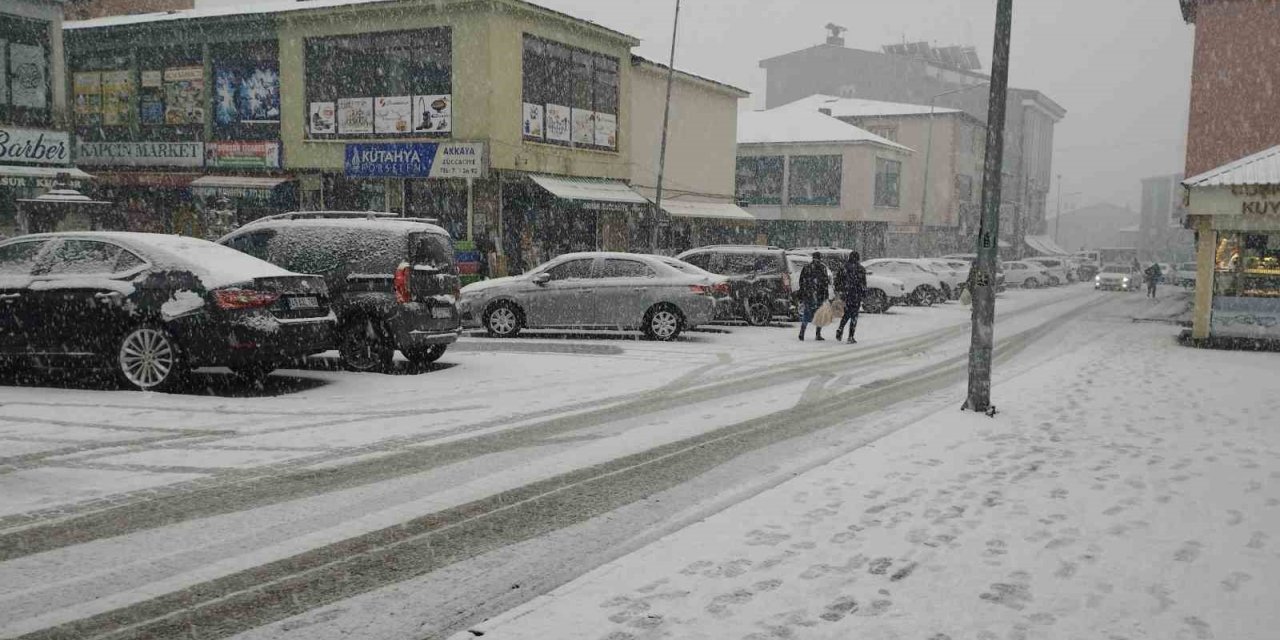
721,288
244,298
786,283
402,283
700,290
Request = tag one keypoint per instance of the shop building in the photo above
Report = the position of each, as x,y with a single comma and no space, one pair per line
1233,156
812,180
35,146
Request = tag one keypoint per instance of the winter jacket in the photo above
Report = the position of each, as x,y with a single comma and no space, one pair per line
814,284
851,283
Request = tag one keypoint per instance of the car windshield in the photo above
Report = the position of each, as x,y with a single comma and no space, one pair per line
1115,270
685,267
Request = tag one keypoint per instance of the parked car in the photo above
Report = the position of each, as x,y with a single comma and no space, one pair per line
1088,264
1056,267
760,285
923,287
953,280
1027,275
597,290
1117,278
881,290
1185,275
150,307
393,281
968,259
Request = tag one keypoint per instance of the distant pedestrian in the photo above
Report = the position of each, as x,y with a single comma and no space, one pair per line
814,290
1153,275
851,286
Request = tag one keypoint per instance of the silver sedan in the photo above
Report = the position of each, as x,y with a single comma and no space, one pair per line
657,295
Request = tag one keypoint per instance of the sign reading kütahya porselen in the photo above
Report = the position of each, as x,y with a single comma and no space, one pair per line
415,160
34,146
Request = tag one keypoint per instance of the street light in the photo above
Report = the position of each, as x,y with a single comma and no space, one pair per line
928,153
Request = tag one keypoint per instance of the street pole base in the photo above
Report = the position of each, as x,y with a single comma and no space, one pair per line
990,411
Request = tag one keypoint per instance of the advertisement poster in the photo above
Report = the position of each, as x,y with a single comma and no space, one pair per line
323,118
247,94
392,114
433,114
151,98
4,77
607,130
355,115
117,97
27,71
184,95
558,118
86,90
242,155
584,126
533,127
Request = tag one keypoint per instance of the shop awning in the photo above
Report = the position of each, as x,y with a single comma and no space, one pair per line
715,210
19,176
156,179
589,189
239,182
1045,245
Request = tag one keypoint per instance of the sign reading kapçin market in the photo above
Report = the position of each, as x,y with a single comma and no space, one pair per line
415,160
34,146
141,154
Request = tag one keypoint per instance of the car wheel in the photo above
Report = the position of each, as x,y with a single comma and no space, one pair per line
254,374
875,302
922,296
757,311
1054,281
365,346
425,355
1031,283
663,323
503,320
148,359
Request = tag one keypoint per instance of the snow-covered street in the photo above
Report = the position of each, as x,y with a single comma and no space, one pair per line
331,504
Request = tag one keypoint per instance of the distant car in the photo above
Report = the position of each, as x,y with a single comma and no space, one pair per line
760,285
1027,275
1088,264
881,291
1056,267
923,287
953,279
1185,276
597,290
393,281
1116,278
150,307
968,259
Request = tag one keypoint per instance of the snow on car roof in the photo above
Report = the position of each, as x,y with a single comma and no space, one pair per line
216,266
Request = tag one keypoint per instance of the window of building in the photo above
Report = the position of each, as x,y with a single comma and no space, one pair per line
24,72
759,179
246,91
888,182
570,95
814,180
397,83
888,132
1248,265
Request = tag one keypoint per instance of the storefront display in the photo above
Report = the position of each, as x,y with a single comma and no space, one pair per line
570,95
117,98
184,95
247,93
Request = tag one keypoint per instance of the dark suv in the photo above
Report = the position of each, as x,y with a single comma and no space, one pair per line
759,280
392,281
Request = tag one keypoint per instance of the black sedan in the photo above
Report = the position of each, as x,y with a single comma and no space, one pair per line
150,307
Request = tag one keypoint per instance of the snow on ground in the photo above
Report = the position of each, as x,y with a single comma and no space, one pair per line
1127,490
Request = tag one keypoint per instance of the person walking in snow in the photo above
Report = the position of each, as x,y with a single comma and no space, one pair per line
814,286
851,285
1153,275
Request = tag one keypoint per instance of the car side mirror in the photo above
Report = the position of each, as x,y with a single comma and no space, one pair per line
542,278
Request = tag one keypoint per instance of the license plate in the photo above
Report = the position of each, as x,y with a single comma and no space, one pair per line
441,312
304,302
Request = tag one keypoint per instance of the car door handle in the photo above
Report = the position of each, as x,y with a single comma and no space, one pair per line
9,297
108,295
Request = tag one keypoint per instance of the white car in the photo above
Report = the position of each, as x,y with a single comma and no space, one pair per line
1059,272
1027,275
1115,277
881,292
953,279
923,287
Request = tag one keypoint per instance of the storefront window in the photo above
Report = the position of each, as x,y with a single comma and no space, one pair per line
570,95
760,179
103,96
1248,265
246,92
443,200
397,83
888,182
24,72
815,180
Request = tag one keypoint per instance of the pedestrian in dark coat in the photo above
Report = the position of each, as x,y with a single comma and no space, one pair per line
815,285
851,286
1153,275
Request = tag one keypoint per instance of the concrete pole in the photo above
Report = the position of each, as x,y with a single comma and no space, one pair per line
666,121
982,279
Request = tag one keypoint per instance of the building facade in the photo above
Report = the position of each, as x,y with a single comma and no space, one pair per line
35,146
1233,156
1163,236
947,77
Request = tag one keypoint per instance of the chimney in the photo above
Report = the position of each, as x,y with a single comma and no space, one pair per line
835,36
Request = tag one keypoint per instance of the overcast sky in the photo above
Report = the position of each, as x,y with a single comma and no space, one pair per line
1121,68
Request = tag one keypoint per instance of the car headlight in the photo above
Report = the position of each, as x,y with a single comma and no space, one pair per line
1097,278
1126,280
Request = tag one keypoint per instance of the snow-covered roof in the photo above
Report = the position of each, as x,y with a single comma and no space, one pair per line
800,125
860,108
1260,168
393,225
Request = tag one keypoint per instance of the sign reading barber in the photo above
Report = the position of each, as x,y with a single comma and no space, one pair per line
34,146
415,160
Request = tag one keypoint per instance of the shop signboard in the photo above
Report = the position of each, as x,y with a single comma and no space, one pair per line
42,182
34,146
391,114
355,115
533,127
607,130
242,155
324,117
558,118
415,160
584,127
140,154
433,114
1241,317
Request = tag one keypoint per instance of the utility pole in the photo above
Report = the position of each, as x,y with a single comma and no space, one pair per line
666,121
982,280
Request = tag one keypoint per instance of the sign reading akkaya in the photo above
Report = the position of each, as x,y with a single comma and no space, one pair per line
416,160
141,154
34,146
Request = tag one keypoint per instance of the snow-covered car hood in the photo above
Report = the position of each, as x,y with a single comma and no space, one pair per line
494,283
